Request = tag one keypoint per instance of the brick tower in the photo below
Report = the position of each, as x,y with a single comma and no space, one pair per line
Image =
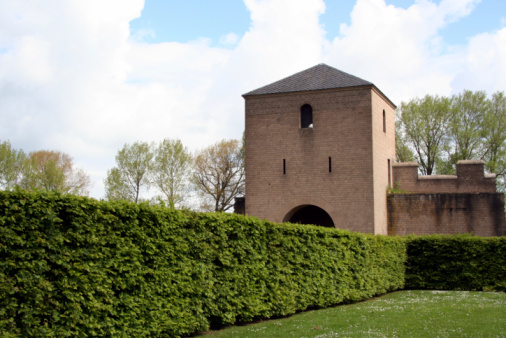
319,149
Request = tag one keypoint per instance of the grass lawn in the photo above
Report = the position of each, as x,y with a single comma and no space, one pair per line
399,314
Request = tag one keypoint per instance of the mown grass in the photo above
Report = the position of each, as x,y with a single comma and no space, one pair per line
400,314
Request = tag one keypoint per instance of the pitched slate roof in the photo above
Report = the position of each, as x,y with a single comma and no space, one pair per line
315,78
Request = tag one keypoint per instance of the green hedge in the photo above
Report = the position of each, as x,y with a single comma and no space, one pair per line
460,262
76,266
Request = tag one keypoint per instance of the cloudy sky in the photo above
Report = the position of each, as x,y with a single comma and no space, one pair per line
87,76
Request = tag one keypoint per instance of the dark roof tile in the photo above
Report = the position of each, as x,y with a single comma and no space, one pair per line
315,78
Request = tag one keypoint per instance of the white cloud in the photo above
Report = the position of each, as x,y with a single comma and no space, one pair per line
284,37
392,46
57,57
142,33
73,79
229,39
485,63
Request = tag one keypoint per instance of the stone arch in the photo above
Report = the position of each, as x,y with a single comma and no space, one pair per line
309,214
288,209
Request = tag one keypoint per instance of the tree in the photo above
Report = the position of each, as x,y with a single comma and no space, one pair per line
243,148
12,163
494,153
54,170
130,176
402,151
466,129
443,131
219,173
424,122
171,170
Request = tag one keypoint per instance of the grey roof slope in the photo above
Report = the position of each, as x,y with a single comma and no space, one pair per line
315,78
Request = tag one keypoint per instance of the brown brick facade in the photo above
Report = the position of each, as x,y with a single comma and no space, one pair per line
451,213
470,178
446,204
347,127
333,167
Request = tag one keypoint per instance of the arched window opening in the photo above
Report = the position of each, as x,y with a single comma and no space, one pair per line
306,116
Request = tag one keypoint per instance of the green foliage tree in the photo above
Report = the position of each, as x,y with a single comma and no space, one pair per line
131,174
243,148
171,170
116,186
424,122
219,174
443,131
55,171
402,151
466,129
494,144
12,164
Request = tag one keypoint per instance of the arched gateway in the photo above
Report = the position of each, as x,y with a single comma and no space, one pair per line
309,214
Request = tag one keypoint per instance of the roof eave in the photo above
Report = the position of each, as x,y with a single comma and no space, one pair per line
372,86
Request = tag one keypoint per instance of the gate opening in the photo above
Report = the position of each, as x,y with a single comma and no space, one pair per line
310,214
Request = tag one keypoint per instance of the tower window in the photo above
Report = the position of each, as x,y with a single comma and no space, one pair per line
306,116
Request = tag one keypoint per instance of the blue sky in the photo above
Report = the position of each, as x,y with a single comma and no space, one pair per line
183,21
87,77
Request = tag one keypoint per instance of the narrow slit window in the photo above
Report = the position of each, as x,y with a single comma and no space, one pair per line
330,164
306,116
284,166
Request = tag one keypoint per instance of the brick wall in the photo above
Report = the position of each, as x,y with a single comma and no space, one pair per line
343,123
446,204
470,178
452,213
383,157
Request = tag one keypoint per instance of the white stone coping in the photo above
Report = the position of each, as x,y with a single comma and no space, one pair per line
405,164
471,162
437,177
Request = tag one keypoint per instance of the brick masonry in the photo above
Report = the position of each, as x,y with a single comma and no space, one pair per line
344,164
446,204
470,178
450,213
348,128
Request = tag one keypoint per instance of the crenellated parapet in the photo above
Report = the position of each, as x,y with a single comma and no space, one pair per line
470,178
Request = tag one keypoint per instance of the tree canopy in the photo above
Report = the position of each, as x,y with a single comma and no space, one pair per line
440,131
131,174
140,166
424,124
54,170
219,174
171,170
12,163
43,169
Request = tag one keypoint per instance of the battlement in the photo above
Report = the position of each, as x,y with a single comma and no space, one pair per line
470,178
